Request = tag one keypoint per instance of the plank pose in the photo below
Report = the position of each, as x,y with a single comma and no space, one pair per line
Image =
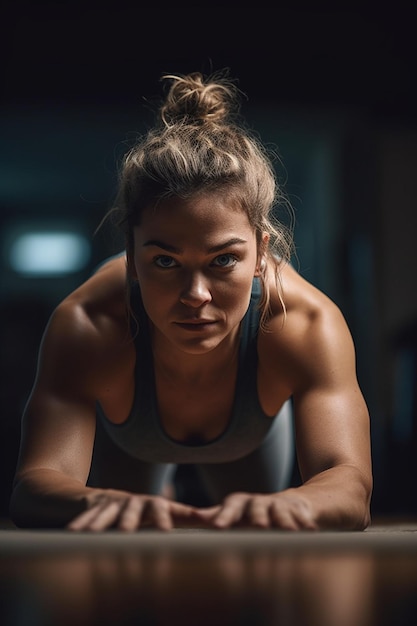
200,344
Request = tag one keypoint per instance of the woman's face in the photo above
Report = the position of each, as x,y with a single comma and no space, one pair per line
195,260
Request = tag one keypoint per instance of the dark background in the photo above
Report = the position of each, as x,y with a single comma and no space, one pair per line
333,90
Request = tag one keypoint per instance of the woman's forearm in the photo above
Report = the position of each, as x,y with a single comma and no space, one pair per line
47,498
340,498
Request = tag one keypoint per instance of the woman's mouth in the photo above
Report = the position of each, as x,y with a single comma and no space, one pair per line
196,325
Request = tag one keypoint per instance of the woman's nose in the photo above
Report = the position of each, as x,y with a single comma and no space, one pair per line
195,291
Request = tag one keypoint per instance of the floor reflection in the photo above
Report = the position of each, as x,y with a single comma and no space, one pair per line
206,588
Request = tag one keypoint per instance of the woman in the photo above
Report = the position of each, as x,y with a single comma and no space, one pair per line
191,348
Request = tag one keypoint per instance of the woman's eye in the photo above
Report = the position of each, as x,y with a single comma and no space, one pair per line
164,261
225,260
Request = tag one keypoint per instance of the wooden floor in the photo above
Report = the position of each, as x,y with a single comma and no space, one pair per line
210,578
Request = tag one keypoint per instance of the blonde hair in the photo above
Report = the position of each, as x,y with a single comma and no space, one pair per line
198,146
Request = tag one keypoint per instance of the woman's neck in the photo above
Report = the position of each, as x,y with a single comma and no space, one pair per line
177,365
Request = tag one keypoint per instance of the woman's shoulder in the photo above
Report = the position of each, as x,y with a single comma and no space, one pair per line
292,295
99,303
91,323
305,325
301,299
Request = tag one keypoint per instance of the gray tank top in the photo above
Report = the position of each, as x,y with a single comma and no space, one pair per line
142,435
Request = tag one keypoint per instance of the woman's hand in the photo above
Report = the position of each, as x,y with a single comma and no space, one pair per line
287,510
126,511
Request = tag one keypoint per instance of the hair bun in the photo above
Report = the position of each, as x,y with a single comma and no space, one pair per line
196,99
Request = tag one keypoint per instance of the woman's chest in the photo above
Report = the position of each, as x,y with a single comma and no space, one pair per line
195,412
186,410
191,410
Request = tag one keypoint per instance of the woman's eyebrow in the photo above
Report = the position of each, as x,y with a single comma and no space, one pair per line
231,242
161,244
170,248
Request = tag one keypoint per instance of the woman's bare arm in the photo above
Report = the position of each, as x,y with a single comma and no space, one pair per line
333,427
78,355
58,426
312,357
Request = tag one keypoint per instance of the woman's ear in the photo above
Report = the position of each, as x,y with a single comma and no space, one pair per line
262,255
260,267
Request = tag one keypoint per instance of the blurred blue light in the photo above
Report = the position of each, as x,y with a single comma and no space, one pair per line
43,254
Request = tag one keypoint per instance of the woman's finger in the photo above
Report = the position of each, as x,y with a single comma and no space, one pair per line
231,511
296,517
157,514
82,520
257,512
130,517
206,515
97,518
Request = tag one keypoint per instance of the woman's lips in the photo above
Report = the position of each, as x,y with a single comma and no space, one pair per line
195,324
